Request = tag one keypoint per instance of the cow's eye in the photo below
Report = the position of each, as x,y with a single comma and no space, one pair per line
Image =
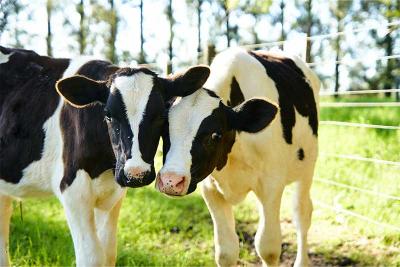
216,136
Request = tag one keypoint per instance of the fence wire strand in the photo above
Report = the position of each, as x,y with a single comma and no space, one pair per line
356,215
367,191
359,92
360,125
359,158
358,104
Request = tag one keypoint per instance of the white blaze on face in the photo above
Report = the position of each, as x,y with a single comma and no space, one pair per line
185,118
135,91
4,57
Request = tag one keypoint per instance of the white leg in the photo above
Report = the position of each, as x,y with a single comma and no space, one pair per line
106,224
5,216
302,216
78,201
225,239
268,238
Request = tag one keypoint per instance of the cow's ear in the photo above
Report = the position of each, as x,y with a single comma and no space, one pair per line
186,83
252,115
80,91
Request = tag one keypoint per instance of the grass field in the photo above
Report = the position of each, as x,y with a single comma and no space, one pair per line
156,230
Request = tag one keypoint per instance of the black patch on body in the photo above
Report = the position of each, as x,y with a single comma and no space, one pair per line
27,99
236,96
300,154
294,92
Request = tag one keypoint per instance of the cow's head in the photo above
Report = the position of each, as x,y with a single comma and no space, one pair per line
202,132
134,101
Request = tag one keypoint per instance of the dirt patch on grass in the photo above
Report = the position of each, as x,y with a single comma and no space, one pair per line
330,245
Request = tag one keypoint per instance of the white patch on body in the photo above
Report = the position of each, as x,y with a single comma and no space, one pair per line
135,91
4,57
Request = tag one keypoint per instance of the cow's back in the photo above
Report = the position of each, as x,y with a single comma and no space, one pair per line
291,140
27,100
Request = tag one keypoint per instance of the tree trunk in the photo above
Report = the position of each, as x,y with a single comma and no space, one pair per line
49,8
337,47
228,27
17,9
309,27
82,30
388,44
199,3
282,19
171,37
112,56
142,58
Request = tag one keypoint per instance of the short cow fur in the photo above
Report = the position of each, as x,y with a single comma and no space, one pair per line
232,133
49,146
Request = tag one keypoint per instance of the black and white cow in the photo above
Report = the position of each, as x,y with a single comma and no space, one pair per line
48,146
228,132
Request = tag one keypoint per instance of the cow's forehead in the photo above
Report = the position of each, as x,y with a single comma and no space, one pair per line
135,90
186,115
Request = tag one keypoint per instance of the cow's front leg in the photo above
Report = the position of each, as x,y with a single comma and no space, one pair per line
5,216
78,201
225,239
268,238
106,224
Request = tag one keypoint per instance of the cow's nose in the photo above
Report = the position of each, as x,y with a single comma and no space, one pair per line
171,183
135,172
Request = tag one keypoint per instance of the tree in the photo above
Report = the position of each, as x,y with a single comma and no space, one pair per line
339,11
199,3
171,20
308,23
388,10
113,24
142,57
49,37
256,8
7,8
82,31
282,21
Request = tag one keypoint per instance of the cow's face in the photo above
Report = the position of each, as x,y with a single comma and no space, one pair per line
202,132
134,105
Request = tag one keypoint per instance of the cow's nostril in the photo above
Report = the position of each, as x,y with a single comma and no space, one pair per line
182,182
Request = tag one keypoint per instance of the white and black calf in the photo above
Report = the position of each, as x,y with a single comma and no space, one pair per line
48,146
228,134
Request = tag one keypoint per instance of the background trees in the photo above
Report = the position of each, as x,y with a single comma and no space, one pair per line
176,32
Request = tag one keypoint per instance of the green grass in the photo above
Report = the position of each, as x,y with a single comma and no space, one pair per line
156,230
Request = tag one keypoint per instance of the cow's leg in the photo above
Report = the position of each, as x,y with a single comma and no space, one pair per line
106,224
268,237
5,217
78,201
302,216
225,239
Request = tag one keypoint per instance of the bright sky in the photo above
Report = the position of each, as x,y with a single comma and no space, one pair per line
34,21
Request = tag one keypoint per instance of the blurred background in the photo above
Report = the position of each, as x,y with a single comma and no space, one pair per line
172,34
353,46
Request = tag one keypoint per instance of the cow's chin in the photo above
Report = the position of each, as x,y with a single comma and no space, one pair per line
124,181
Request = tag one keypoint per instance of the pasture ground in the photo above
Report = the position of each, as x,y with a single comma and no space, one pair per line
156,230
